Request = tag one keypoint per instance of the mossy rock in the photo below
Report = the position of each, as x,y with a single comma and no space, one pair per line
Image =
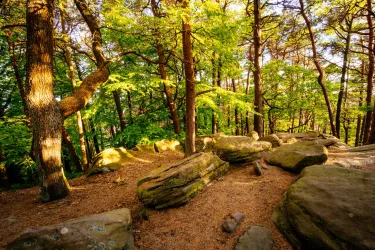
240,149
111,159
294,157
109,230
165,145
177,184
329,207
150,148
272,138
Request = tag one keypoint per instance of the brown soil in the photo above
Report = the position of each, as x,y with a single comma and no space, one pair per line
196,225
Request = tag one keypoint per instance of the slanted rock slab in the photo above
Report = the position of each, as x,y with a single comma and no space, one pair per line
294,157
272,138
178,183
240,149
165,145
329,207
109,230
109,160
255,238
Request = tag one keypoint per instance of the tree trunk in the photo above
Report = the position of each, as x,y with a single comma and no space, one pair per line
68,59
369,139
190,82
95,137
319,68
116,97
343,80
45,116
72,151
214,83
236,119
258,102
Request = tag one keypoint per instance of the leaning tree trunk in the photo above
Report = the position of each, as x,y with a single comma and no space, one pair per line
45,116
120,113
258,101
319,68
190,82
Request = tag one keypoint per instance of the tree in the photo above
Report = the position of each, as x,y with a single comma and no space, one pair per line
46,114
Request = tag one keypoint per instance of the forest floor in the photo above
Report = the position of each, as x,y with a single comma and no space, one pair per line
194,226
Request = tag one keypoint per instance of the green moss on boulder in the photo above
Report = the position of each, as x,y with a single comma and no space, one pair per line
109,160
177,184
329,207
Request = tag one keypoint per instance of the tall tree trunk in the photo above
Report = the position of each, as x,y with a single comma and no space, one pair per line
120,113
69,144
214,83
95,137
130,107
45,116
190,82
319,68
369,139
68,59
258,101
343,80
236,119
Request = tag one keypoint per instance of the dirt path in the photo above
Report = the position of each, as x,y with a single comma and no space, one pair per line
196,225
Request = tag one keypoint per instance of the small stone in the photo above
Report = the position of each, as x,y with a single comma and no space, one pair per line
238,217
229,225
64,230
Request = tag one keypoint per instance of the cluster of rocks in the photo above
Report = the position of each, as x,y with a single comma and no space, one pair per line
112,159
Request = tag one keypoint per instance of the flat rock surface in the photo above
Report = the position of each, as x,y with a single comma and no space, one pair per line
329,207
294,157
188,227
255,238
109,230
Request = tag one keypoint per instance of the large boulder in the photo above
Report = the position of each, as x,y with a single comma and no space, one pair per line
239,149
108,160
255,238
272,138
294,157
233,149
109,230
329,207
178,183
165,145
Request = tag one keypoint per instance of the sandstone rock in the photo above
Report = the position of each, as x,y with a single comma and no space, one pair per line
327,142
340,145
108,160
229,225
206,143
110,230
255,238
253,135
164,145
272,138
145,148
178,183
329,207
294,157
239,149
362,148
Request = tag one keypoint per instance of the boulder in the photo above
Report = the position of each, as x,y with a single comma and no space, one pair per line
178,183
294,157
164,145
150,148
239,149
253,135
205,143
272,138
109,230
232,222
329,207
255,238
327,142
108,160
340,145
359,157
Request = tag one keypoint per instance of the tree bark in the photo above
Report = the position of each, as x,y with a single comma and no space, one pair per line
190,82
68,59
343,80
214,83
72,151
45,116
319,68
116,97
369,139
236,119
258,101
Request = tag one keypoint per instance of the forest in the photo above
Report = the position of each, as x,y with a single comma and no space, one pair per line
81,77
